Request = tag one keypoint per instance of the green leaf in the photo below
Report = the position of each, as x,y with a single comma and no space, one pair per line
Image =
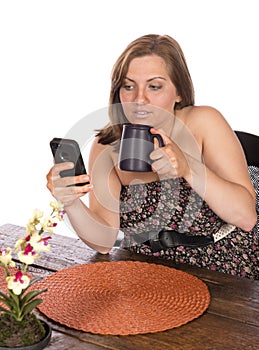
30,306
31,295
6,299
32,281
7,303
4,294
3,309
15,298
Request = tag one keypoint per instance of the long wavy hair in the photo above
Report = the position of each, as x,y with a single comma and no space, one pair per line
152,44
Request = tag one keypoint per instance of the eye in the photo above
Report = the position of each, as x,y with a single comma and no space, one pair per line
127,87
155,87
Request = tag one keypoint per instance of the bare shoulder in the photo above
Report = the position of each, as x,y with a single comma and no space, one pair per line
205,115
212,131
204,122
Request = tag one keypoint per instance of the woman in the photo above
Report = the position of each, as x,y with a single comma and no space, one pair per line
199,179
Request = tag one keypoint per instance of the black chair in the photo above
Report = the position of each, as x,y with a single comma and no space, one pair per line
250,144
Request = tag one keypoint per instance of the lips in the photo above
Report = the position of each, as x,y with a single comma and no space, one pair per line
141,114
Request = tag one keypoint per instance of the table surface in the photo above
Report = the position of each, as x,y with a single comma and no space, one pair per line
230,322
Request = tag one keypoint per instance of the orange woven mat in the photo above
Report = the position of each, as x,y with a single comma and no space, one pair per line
124,297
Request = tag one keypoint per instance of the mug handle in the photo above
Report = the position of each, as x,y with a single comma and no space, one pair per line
159,139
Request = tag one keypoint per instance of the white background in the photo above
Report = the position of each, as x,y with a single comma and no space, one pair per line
55,62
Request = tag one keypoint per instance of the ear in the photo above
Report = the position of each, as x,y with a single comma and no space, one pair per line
178,99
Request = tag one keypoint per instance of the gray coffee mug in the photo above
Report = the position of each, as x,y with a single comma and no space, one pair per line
137,143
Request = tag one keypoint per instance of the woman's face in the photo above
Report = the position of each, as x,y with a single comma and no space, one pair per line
147,93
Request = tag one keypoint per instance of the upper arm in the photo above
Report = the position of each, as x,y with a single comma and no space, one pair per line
105,196
221,149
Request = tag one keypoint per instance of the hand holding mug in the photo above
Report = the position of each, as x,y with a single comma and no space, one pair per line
169,161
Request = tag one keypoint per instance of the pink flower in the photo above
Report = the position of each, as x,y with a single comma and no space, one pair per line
40,243
28,247
18,282
6,257
28,255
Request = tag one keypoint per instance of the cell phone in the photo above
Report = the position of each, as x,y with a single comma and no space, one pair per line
67,150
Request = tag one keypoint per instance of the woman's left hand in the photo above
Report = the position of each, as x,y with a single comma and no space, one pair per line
169,161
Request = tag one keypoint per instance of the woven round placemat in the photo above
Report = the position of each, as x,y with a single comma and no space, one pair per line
123,297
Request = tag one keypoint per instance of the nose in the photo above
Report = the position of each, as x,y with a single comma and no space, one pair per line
141,97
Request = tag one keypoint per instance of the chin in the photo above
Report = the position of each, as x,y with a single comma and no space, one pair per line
142,120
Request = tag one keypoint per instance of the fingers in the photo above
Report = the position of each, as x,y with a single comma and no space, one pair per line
67,195
165,166
167,159
57,168
156,154
167,151
165,138
63,188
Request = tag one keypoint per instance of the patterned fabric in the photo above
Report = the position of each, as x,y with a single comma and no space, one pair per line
172,204
254,174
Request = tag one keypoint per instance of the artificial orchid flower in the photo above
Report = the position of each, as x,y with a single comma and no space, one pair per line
34,221
58,210
18,282
28,255
48,224
6,257
39,243
28,248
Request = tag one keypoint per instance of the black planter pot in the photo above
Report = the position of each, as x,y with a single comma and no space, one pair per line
37,346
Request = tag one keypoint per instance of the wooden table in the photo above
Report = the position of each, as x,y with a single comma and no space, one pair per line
230,323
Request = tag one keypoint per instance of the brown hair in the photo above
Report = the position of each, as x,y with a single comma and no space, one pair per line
170,51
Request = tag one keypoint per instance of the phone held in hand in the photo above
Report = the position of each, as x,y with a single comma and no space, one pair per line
67,150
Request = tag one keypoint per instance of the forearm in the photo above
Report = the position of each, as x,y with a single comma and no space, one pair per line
230,201
91,228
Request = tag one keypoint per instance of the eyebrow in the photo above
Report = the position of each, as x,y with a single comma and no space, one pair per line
147,80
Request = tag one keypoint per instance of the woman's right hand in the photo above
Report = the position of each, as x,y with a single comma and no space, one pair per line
62,188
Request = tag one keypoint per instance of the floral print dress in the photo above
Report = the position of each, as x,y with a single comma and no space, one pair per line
173,205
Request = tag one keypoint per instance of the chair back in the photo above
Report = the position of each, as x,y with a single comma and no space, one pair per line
250,144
